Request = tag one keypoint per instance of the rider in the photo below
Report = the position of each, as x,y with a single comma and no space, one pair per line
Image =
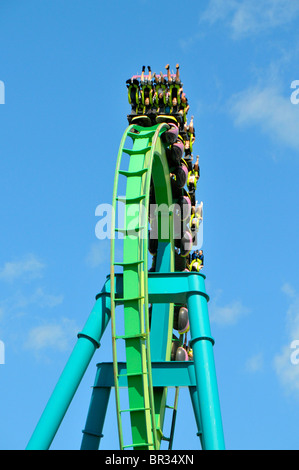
161,93
175,89
198,262
133,93
189,133
146,89
196,217
184,107
192,179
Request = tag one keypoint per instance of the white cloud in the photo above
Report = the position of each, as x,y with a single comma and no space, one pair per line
288,372
57,336
18,303
255,363
246,17
2,311
270,111
98,254
187,42
228,314
288,290
28,267
292,316
40,298
219,10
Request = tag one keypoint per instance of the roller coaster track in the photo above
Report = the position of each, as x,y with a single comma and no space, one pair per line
143,332
147,162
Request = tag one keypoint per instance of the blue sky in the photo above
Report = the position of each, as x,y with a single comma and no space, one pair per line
64,65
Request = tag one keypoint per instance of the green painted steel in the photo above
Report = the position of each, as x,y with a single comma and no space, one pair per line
147,406
148,371
147,161
188,288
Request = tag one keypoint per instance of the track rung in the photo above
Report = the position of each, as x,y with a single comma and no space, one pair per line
132,374
138,335
126,264
142,135
128,299
130,200
131,231
133,173
137,152
132,410
142,444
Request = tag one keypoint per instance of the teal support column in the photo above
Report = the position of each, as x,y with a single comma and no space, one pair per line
196,410
92,433
202,345
88,342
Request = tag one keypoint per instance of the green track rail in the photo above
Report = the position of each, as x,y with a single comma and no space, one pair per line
147,343
146,161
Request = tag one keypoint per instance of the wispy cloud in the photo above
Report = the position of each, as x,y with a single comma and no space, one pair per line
1,313
228,314
57,336
28,267
186,42
39,298
247,17
288,372
288,290
98,254
26,305
269,110
22,309
255,363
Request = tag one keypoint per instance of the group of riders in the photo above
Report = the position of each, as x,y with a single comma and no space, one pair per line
153,94
160,98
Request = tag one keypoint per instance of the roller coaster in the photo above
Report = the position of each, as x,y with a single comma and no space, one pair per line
154,296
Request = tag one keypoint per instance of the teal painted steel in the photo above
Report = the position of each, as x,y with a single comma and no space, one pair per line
159,330
174,287
199,375
148,363
190,288
165,374
92,433
207,389
88,342
196,410
165,287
